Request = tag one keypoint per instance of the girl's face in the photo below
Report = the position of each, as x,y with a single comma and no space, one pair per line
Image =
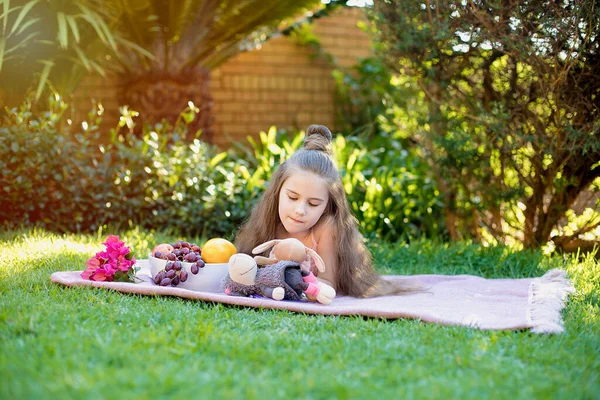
302,201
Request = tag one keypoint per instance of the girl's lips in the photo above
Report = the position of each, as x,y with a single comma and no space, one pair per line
296,221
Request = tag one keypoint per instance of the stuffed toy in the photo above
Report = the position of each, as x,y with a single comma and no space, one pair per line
280,281
287,249
294,250
283,280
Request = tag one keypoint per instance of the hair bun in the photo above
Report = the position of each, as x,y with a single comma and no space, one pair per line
318,137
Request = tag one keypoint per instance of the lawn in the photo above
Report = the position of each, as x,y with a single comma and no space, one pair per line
61,342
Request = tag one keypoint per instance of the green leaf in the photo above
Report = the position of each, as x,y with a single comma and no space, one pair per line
82,57
244,172
218,158
99,26
297,140
2,44
98,68
121,276
89,17
136,47
63,35
22,42
188,117
272,133
28,24
274,148
352,159
107,33
22,15
43,78
6,4
263,137
74,27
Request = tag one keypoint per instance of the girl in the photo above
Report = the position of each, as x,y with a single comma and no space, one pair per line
305,200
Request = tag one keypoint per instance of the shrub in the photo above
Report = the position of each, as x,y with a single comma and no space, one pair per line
387,186
389,189
48,176
66,181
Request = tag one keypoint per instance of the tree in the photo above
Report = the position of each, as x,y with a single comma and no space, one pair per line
53,42
189,40
511,123
161,51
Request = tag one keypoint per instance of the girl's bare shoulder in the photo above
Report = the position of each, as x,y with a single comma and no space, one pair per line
325,228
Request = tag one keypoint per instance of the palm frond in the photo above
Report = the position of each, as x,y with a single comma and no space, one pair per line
63,34
237,20
74,28
24,11
48,65
2,45
139,35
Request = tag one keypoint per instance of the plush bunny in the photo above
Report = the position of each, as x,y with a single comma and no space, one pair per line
282,280
287,249
294,250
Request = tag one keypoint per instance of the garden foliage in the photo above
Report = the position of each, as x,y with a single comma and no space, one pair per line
67,181
507,110
68,178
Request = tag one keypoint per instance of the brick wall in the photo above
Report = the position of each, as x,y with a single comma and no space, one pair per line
279,84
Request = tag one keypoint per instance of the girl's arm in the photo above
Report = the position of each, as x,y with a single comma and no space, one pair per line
327,249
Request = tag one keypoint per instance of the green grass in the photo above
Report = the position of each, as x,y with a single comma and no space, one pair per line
61,342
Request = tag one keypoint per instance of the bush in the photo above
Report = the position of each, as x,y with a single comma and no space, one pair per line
387,185
66,181
389,189
48,176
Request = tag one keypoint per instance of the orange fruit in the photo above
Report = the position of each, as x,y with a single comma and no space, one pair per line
217,250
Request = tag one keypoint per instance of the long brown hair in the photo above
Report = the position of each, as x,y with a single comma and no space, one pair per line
355,275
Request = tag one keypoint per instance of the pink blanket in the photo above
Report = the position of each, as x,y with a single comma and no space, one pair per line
532,303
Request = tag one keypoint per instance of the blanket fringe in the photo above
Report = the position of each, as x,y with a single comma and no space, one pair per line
547,296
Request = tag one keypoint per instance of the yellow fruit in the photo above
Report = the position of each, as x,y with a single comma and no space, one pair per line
218,250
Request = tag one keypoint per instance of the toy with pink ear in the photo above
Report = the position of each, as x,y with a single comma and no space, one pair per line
287,249
294,250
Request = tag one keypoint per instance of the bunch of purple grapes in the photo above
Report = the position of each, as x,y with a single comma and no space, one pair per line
174,271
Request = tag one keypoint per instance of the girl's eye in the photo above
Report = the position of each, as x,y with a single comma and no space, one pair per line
313,205
292,198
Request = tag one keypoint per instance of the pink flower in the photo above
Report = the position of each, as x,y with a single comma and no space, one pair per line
93,263
124,264
104,264
101,275
111,240
123,251
87,273
112,266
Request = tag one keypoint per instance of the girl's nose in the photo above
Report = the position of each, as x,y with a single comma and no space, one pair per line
301,209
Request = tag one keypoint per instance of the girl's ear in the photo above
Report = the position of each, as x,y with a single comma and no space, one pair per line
265,246
318,260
